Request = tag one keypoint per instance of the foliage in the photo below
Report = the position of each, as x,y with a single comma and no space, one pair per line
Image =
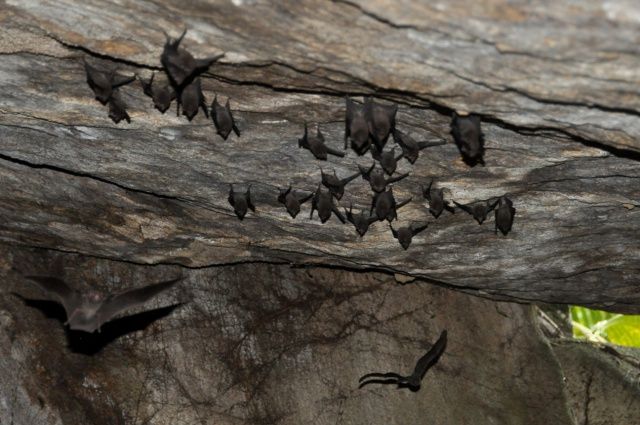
601,326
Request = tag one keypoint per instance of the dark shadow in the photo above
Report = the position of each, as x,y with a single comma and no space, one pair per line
387,382
51,309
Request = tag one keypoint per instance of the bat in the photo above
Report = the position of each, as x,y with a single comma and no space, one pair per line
414,380
404,235
323,203
241,202
504,215
334,184
103,82
361,221
479,210
291,201
381,120
180,65
385,205
223,119
410,148
88,311
356,128
469,138
437,204
316,145
162,96
388,160
191,98
376,178
117,108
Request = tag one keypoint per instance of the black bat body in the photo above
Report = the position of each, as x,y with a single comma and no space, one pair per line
89,311
376,178
323,203
381,120
162,96
241,202
289,199
335,184
386,206
388,160
316,145
356,128
117,108
410,148
504,215
479,210
404,235
223,119
191,99
437,204
360,221
468,136
414,380
104,82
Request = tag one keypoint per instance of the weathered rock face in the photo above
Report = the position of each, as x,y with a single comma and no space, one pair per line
287,348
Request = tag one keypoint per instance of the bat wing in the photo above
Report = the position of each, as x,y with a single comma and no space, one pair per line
464,208
121,80
130,299
397,178
416,230
388,375
231,198
67,296
338,214
432,356
248,198
394,231
305,199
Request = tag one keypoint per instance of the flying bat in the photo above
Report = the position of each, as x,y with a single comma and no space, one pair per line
360,221
504,215
388,160
376,178
437,204
191,98
241,202
381,120
323,203
104,82
162,96
223,119
386,206
405,234
180,65
289,199
88,311
469,138
414,380
479,210
356,128
335,184
411,148
117,108
316,145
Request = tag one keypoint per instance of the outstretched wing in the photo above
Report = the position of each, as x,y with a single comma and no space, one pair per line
432,356
67,296
130,299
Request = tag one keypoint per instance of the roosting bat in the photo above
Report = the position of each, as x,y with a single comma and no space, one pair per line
117,108
223,119
180,65
410,148
376,178
504,215
323,203
388,160
479,210
437,204
404,235
191,98
336,185
385,205
356,128
361,221
103,82
162,96
414,380
468,137
289,199
90,310
381,120
316,145
241,202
